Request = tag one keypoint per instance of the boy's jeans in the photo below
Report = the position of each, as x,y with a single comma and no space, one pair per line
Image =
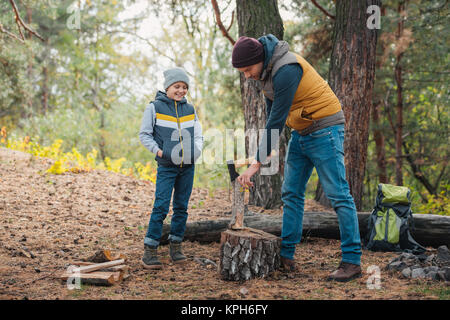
322,149
180,180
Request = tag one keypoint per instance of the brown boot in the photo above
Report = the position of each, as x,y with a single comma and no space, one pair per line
288,265
345,272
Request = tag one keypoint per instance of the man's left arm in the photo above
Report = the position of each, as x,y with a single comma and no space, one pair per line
285,84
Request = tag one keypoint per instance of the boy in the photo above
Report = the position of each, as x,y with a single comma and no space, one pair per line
171,130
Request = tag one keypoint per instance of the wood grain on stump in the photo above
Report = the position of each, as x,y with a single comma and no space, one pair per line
248,253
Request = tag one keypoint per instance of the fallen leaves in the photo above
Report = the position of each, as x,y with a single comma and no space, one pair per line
70,224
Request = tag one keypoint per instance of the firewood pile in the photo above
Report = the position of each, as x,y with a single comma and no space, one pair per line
102,268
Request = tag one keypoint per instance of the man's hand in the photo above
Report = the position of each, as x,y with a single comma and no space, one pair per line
244,179
159,153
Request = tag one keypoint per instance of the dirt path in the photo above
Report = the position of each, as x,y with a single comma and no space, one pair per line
47,221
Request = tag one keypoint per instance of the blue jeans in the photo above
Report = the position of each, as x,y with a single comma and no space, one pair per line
168,179
324,150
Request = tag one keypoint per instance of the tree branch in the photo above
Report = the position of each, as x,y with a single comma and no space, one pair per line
20,22
148,42
387,110
232,20
438,180
322,9
219,22
416,171
9,34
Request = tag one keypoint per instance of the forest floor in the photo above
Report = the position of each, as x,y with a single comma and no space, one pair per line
68,217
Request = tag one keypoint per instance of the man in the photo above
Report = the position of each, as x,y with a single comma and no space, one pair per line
297,96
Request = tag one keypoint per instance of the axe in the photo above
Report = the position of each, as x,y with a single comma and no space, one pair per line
238,208
237,204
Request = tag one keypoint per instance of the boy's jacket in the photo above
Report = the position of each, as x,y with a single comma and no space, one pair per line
173,127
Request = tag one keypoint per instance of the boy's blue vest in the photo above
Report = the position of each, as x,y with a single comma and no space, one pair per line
174,131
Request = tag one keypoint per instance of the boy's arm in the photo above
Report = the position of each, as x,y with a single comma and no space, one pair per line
198,136
146,132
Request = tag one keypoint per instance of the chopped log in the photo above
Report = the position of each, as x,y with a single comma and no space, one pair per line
81,263
98,266
238,207
104,256
248,253
429,230
95,278
121,267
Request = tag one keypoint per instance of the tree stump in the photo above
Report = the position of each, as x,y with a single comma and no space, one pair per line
248,253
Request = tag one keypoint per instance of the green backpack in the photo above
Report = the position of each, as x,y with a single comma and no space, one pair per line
390,221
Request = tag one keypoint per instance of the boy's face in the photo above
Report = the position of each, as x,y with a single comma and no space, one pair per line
177,91
253,71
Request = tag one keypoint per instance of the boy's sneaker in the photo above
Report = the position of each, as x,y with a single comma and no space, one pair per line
175,252
150,258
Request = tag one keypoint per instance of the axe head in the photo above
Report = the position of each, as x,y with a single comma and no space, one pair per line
232,170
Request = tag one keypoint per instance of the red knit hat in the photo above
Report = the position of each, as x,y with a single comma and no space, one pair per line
246,52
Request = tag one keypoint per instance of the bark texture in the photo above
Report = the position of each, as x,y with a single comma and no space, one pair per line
398,76
320,196
248,254
255,19
351,76
378,136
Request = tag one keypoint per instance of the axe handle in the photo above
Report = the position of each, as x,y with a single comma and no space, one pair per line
245,162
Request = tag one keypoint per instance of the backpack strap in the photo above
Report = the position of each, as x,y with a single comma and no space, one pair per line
411,220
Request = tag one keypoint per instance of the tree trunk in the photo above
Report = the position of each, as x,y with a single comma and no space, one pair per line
102,143
321,197
255,19
399,107
379,145
45,92
44,98
248,254
351,76
418,174
30,63
429,229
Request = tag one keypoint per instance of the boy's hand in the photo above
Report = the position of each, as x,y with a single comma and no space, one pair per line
244,179
159,153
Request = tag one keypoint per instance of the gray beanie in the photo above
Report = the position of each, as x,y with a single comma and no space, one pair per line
175,75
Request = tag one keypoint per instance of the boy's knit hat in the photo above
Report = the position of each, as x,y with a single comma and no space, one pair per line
246,52
175,75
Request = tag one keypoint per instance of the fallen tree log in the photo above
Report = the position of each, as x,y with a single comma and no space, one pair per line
430,230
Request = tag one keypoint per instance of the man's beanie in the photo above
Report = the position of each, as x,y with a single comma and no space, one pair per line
175,75
246,52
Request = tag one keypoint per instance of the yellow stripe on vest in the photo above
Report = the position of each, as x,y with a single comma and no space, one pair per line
162,116
187,118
